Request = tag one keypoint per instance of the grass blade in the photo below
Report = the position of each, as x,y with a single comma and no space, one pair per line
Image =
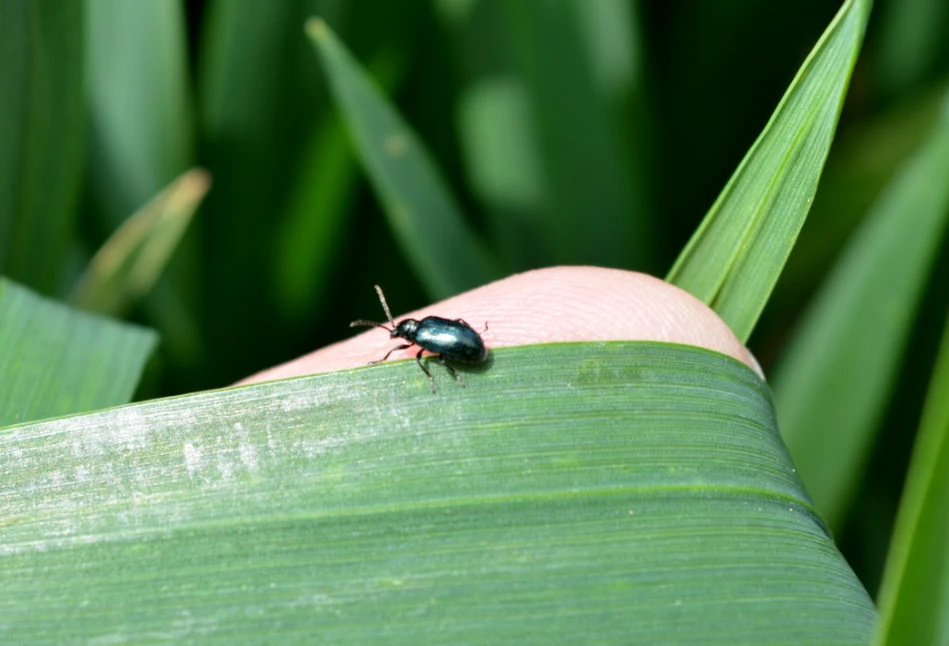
128,264
443,250
41,137
257,108
862,165
139,104
914,608
605,492
912,41
833,383
497,135
504,168
57,361
733,261
309,239
593,203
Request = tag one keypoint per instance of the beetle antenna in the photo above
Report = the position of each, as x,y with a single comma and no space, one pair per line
385,306
361,323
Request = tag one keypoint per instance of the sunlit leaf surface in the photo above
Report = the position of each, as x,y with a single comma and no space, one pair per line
604,492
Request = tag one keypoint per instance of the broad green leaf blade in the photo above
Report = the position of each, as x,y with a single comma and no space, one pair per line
57,361
441,247
914,606
139,104
834,381
594,492
128,264
41,137
734,259
593,202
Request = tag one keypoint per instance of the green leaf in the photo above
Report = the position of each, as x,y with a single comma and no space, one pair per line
914,608
862,164
41,137
566,66
590,492
733,261
833,383
497,134
504,167
257,89
310,237
225,76
532,80
911,43
139,104
57,361
128,264
442,248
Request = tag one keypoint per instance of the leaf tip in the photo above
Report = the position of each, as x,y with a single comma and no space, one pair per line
316,28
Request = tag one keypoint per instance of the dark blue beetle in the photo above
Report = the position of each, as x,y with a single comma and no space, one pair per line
446,338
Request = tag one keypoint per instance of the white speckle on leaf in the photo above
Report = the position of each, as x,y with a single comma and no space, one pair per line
249,456
192,458
271,444
225,468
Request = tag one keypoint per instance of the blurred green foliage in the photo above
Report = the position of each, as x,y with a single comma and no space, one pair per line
96,120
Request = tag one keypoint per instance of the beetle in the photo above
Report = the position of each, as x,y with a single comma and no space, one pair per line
446,338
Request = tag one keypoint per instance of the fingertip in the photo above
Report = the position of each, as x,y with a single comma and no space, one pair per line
549,305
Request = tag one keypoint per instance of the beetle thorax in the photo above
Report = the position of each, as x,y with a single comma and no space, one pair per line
406,329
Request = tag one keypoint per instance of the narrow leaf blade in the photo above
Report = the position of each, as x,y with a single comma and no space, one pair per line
914,607
41,137
733,261
142,134
912,40
594,207
443,250
131,260
311,235
834,380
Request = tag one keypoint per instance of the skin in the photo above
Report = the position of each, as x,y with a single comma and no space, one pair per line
553,304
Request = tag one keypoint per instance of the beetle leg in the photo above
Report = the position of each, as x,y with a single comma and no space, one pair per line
431,379
398,347
454,373
469,325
